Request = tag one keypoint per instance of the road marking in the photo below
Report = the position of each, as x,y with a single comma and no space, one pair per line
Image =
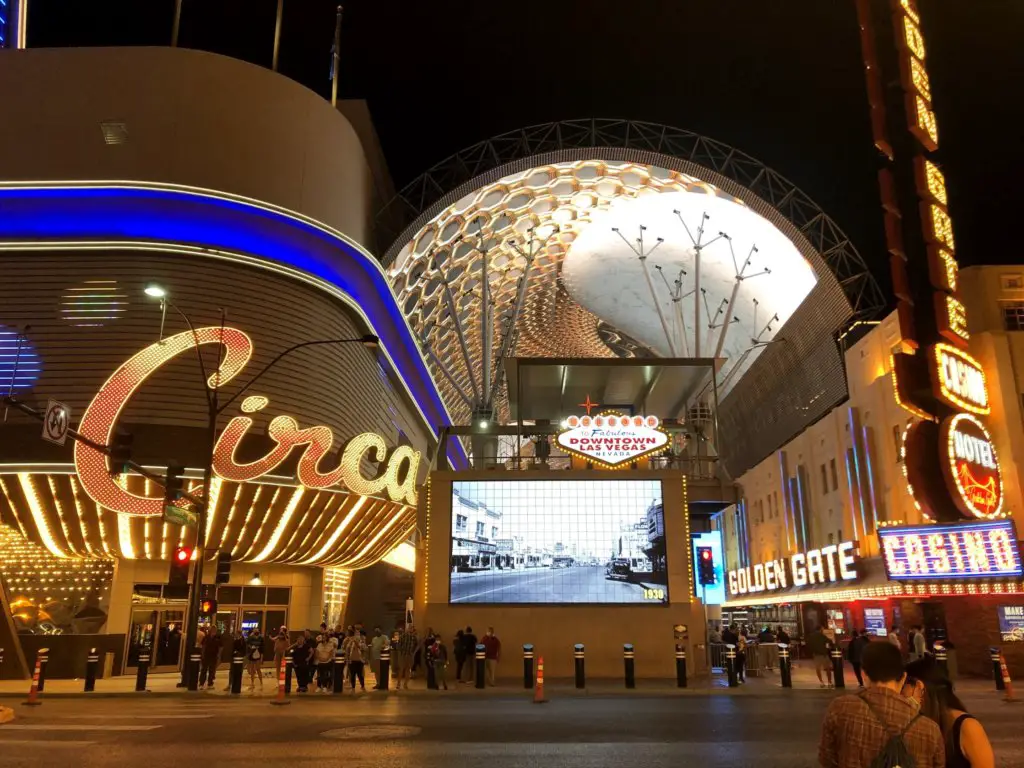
371,732
47,744
154,716
50,727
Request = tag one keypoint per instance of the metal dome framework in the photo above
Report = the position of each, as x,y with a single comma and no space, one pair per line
759,405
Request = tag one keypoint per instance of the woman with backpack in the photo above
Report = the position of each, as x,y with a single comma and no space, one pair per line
967,745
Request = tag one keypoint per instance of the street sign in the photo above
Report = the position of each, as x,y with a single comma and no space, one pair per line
56,422
179,516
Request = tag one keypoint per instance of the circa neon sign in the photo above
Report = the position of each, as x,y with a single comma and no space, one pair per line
100,420
612,439
951,551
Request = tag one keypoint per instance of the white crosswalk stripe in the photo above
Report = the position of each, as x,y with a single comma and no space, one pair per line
57,727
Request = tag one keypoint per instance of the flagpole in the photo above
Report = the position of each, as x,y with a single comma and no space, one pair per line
335,56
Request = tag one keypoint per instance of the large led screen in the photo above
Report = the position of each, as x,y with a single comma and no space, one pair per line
558,542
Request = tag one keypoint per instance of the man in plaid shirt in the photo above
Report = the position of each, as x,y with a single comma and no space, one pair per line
857,728
405,652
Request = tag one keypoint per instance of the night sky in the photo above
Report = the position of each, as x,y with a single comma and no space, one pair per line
781,81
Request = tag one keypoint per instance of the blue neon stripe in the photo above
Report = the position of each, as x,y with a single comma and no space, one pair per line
182,216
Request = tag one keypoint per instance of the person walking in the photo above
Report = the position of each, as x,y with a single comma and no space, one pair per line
303,653
355,650
324,657
210,658
855,652
920,644
459,648
408,643
282,641
439,656
469,643
376,646
894,638
967,745
254,657
879,726
741,657
492,655
782,636
817,645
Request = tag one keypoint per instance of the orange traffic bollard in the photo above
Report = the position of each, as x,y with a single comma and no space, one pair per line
33,691
280,699
538,691
1009,697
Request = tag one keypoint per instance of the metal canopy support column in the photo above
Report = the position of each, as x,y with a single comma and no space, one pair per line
640,254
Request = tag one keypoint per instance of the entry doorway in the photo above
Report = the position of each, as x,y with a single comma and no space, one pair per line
158,630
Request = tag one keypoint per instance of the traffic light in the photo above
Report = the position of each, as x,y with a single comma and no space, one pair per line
223,568
181,563
207,607
174,484
705,566
121,452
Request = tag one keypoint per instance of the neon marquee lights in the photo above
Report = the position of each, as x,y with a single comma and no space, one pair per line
961,380
972,468
100,421
612,439
972,550
836,562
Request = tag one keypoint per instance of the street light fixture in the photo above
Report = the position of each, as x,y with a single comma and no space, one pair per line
214,410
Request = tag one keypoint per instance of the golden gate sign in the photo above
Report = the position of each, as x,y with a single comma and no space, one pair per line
397,480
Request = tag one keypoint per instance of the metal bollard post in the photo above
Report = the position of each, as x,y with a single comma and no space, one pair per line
481,663
338,674
385,668
628,661
785,668
680,666
730,665
235,673
92,661
142,672
289,670
942,658
195,658
837,668
581,672
44,659
997,671
527,666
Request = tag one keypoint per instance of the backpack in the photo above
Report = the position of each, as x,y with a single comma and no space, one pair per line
894,753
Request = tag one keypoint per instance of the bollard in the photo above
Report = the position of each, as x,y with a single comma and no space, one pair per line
33,689
837,668
92,661
339,672
235,673
680,666
627,662
1009,698
44,660
282,673
785,668
142,673
481,664
942,658
730,665
538,691
997,671
192,672
385,668
289,671
581,672
527,666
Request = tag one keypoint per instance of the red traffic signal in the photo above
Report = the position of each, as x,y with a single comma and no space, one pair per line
181,564
705,566
182,554
207,607
706,554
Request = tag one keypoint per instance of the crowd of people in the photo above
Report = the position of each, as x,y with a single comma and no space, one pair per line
313,656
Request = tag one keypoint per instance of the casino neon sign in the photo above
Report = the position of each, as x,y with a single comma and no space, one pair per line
972,467
399,469
984,549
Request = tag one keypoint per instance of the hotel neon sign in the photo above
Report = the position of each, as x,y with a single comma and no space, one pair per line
987,549
101,417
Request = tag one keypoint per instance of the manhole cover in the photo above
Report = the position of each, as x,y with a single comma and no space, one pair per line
369,732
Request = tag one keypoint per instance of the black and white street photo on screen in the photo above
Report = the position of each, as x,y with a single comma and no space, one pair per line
558,541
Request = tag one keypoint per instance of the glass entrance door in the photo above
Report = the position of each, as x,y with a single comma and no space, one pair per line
170,639
141,633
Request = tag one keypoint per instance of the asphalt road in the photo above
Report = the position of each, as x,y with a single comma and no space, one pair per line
397,731
544,585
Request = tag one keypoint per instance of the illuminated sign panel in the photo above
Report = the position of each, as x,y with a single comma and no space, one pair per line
612,439
962,550
836,562
961,380
397,478
971,468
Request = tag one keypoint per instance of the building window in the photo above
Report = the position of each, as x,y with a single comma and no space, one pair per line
1013,315
831,539
494,531
824,480
1012,282
776,503
480,529
835,477
461,521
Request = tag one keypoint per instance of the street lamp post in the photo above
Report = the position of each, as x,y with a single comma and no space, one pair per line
214,409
